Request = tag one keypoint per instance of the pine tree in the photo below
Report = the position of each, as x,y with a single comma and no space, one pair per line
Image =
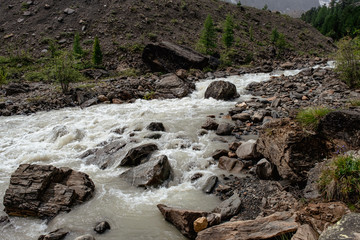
78,52
97,54
228,37
207,41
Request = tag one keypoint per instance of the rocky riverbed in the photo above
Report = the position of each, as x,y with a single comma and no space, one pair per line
254,157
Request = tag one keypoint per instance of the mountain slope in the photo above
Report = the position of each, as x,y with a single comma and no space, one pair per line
124,27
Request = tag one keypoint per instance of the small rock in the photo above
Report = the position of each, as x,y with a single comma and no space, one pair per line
219,153
225,129
230,164
117,101
247,150
229,207
69,11
241,116
138,155
58,234
8,36
102,98
210,124
200,224
264,169
101,227
27,13
210,184
47,6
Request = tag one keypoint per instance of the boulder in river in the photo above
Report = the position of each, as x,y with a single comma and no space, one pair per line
152,173
171,86
101,227
44,191
225,129
138,155
221,90
169,57
156,126
58,234
183,220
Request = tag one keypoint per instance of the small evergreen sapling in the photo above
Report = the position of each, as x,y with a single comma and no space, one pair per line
78,52
228,37
97,54
207,41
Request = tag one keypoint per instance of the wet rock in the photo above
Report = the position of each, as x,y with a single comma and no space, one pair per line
156,126
138,155
247,150
89,103
44,191
230,164
4,220
264,170
305,232
293,151
213,219
210,124
16,88
229,207
170,84
200,224
221,90
346,228
183,220
196,176
153,136
342,127
58,234
210,184
85,237
321,215
152,173
260,228
105,156
169,57
101,227
225,129
219,153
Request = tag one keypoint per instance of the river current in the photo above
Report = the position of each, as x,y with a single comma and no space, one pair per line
131,212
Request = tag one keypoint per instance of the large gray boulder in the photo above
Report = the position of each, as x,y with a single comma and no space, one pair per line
169,57
152,173
221,90
346,228
138,155
44,191
247,150
172,86
229,208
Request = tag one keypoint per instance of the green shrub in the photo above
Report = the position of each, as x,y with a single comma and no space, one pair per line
64,72
310,117
355,102
3,75
340,180
348,61
97,54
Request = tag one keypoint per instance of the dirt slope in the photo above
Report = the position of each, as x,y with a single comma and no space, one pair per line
125,26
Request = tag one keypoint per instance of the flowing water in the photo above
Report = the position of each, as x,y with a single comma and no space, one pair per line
131,212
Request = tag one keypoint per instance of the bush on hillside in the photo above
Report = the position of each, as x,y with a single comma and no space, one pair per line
348,61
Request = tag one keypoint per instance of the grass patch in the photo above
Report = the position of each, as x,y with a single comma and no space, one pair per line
130,72
310,117
340,180
355,102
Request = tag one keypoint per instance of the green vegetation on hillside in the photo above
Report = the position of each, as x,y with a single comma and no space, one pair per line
341,18
207,41
310,117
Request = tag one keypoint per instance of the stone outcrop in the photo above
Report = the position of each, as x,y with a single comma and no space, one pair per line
138,155
169,57
183,220
293,151
44,191
221,90
268,227
152,173
346,228
105,156
343,128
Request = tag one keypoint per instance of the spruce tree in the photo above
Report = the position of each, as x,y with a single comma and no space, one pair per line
78,52
228,37
207,41
97,54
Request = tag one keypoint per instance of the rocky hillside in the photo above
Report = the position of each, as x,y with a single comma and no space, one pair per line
125,27
280,5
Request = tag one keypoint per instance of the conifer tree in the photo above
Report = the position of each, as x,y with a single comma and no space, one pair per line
207,41
77,47
228,37
97,54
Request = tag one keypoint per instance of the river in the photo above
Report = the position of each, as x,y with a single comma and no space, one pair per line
131,212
